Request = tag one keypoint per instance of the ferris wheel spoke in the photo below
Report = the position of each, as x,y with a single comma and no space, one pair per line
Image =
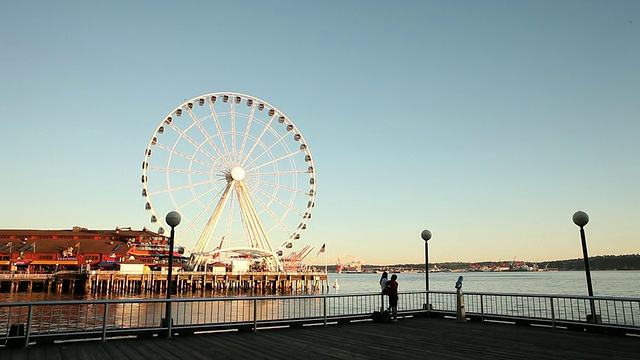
196,198
226,153
267,150
171,170
274,216
233,131
273,161
258,141
190,140
246,133
230,220
184,155
182,187
289,207
205,133
278,186
287,172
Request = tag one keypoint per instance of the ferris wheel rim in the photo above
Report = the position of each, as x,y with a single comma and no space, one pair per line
311,193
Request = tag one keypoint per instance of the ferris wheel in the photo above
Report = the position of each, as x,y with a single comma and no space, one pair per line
238,171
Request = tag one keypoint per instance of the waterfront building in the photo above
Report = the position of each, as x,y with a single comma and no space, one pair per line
47,251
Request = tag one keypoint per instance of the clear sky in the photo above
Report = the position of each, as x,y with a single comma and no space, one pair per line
487,122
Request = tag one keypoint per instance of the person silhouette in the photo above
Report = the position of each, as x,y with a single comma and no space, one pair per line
393,297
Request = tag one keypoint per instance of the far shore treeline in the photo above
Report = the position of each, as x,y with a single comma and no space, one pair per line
604,262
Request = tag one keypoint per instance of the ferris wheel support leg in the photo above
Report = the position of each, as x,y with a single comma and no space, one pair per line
260,238
205,237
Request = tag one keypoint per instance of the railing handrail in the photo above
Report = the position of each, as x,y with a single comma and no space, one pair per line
572,296
24,276
265,297
182,299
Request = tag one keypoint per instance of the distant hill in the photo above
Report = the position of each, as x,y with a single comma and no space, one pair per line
605,262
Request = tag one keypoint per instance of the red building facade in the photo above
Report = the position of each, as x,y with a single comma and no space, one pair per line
43,251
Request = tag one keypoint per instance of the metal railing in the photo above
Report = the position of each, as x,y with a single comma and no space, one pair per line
28,322
553,310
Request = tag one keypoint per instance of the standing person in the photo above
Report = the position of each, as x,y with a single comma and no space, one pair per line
383,280
393,297
384,288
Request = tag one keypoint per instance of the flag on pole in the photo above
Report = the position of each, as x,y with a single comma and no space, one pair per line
322,249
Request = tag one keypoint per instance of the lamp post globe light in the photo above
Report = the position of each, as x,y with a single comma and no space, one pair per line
172,219
581,219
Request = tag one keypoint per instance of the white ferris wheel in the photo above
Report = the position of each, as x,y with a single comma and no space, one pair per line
238,171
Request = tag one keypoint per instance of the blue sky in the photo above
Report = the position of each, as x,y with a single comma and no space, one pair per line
488,122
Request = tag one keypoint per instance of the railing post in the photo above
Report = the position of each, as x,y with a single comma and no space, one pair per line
481,308
104,321
255,315
169,315
324,305
461,314
27,331
553,314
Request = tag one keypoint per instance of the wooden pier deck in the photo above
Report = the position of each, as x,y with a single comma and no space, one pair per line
410,338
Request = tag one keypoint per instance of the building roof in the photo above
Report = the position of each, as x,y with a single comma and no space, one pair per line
78,231
81,240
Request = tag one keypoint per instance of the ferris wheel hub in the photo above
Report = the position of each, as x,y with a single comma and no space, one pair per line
237,173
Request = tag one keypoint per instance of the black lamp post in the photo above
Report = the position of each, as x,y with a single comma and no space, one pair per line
172,219
10,256
581,219
426,235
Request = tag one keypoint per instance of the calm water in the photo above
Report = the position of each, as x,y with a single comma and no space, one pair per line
605,283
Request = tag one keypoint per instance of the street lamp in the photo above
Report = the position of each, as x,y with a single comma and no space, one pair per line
426,235
581,219
10,244
172,219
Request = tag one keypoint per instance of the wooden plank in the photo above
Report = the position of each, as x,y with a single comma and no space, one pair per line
410,338
15,353
52,352
123,349
181,348
36,353
91,351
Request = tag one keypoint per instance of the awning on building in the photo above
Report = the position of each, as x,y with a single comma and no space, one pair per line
54,262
